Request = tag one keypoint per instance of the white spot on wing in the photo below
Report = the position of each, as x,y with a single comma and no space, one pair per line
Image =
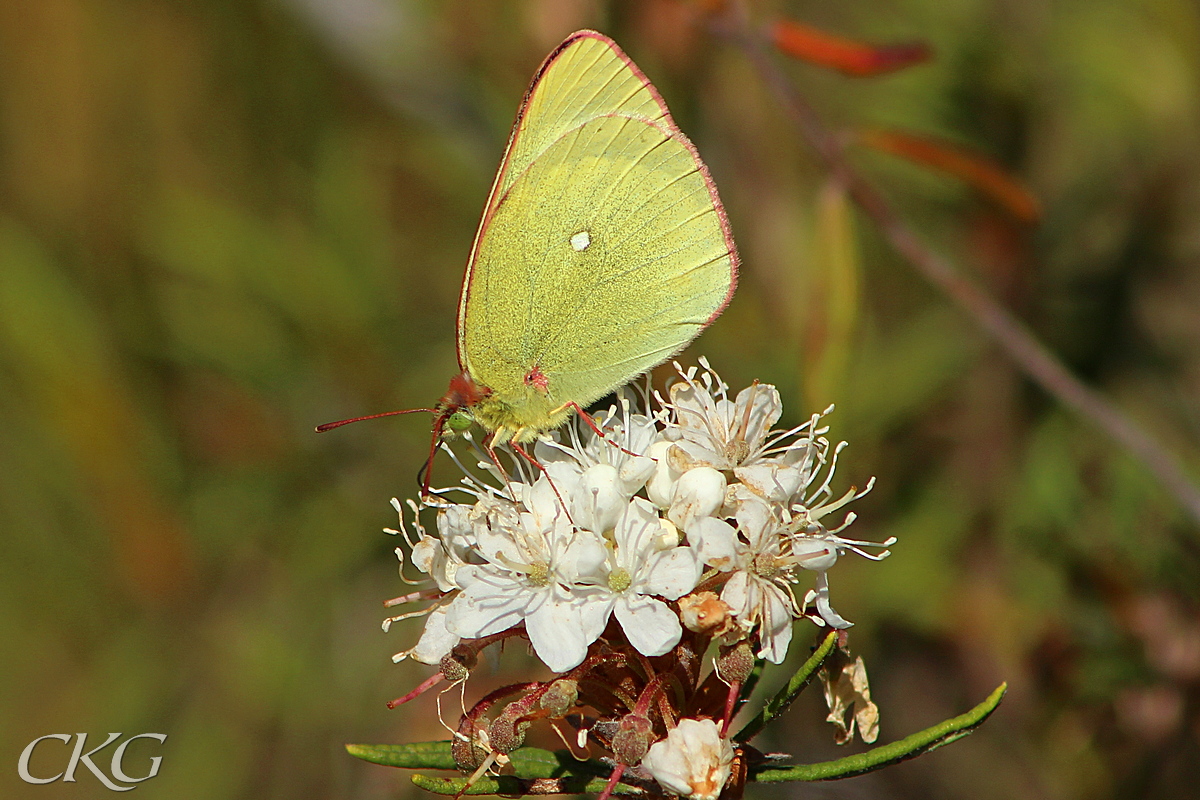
580,241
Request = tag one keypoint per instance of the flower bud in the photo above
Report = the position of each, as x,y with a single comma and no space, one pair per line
560,697
704,612
469,754
736,663
507,731
699,493
599,500
456,668
661,486
632,739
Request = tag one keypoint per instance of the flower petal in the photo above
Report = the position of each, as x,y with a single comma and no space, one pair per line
636,534
490,603
814,553
831,617
649,624
594,611
436,640
661,486
557,635
760,406
584,560
775,632
670,574
715,541
598,500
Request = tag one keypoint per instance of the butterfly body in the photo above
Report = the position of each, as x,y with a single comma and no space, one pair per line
517,418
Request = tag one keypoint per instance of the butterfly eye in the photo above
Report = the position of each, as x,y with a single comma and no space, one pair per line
459,421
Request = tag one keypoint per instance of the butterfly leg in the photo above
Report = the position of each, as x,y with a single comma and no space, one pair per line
489,444
525,454
591,423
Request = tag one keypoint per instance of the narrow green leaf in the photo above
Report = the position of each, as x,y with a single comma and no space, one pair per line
533,762
505,784
418,755
779,703
902,750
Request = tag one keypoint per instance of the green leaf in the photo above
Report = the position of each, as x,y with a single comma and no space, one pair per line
780,702
902,750
419,755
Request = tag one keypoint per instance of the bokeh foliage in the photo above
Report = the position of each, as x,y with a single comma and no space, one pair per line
224,222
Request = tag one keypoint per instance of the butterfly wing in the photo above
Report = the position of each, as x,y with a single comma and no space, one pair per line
604,249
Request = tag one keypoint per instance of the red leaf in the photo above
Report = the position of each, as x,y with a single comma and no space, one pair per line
975,169
845,55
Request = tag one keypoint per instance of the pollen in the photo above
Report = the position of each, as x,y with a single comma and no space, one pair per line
539,574
619,580
580,241
766,565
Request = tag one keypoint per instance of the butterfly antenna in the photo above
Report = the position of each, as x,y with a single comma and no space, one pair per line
328,426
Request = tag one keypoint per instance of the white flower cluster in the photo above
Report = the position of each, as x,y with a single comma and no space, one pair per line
701,495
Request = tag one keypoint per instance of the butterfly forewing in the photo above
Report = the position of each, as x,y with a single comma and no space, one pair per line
603,249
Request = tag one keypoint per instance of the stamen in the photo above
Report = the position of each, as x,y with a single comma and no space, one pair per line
387,623
823,490
422,687
423,594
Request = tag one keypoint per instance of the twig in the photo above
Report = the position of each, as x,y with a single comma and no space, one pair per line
1030,356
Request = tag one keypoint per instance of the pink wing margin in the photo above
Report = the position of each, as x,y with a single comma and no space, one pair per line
518,126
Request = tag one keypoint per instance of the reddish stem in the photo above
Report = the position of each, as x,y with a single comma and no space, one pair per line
612,781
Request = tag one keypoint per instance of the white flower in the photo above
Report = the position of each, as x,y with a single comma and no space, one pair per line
718,432
440,556
638,568
817,548
758,554
736,436
693,761
532,559
597,528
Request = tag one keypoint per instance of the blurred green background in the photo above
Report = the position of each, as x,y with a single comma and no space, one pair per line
224,222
